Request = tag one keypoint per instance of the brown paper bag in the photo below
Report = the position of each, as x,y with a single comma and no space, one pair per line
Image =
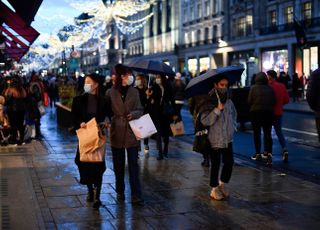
177,128
97,155
88,137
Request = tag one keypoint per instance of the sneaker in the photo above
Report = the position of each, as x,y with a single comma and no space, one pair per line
256,157
146,151
224,190
269,160
285,156
216,193
264,155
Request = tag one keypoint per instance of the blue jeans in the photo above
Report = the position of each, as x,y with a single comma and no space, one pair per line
277,124
119,161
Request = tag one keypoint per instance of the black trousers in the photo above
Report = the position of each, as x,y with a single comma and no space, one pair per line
262,120
227,159
16,119
119,161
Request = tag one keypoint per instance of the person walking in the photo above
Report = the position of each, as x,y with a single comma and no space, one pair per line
141,86
90,105
295,87
16,108
179,95
126,106
282,98
161,107
261,100
222,121
313,97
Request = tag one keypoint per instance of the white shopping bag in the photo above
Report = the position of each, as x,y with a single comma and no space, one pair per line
143,127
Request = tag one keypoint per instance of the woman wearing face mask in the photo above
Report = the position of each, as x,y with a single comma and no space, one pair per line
222,122
126,105
160,101
84,108
140,85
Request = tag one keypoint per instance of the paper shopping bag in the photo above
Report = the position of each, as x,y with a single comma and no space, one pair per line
96,156
143,127
89,139
177,128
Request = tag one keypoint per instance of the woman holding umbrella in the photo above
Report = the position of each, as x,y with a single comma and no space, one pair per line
160,104
222,122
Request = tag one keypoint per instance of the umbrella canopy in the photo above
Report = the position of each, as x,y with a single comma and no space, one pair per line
204,83
150,66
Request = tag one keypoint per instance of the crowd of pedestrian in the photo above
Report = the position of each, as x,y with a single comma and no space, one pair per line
21,107
116,100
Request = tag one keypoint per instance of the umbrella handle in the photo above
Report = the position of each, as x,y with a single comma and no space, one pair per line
219,101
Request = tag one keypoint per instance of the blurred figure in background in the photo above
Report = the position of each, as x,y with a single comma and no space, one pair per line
313,97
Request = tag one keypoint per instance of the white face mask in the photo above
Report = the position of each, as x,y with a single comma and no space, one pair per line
87,88
130,80
138,82
158,81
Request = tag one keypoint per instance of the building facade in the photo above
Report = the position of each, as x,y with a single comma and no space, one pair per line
195,35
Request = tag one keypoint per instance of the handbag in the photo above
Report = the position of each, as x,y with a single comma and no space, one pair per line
45,99
41,108
89,138
201,142
143,127
177,128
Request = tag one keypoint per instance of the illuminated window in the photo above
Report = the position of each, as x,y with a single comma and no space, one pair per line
288,15
306,10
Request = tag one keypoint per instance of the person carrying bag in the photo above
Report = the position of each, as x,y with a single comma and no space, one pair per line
87,110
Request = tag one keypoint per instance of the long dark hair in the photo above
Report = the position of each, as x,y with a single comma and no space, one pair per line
120,70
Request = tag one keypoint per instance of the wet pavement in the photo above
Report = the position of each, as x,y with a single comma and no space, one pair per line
40,190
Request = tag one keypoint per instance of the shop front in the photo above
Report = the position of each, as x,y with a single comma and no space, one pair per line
248,60
275,59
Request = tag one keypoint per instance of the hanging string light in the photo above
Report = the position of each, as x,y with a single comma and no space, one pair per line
129,17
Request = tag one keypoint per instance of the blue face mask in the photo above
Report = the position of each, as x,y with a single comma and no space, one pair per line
87,88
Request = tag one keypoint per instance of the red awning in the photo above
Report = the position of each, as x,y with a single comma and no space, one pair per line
26,9
17,33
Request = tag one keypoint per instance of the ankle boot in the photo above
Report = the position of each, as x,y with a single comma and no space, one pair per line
96,198
90,193
160,156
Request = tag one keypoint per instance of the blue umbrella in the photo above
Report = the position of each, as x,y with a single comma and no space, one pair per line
151,66
205,82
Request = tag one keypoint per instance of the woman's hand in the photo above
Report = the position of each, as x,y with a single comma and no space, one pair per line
149,92
220,106
129,117
83,125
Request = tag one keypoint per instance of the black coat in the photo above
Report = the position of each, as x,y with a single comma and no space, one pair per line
90,173
156,107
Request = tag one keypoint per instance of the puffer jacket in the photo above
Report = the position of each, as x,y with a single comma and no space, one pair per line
222,125
261,95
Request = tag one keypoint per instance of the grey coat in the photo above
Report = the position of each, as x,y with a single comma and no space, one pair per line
121,135
222,125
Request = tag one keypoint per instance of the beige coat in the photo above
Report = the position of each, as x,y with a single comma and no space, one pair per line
121,135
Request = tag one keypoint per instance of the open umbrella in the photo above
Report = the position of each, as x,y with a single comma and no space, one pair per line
204,83
151,66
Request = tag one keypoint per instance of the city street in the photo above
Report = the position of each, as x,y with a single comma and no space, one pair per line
43,189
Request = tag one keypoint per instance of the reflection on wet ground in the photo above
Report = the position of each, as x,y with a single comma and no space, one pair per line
176,192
